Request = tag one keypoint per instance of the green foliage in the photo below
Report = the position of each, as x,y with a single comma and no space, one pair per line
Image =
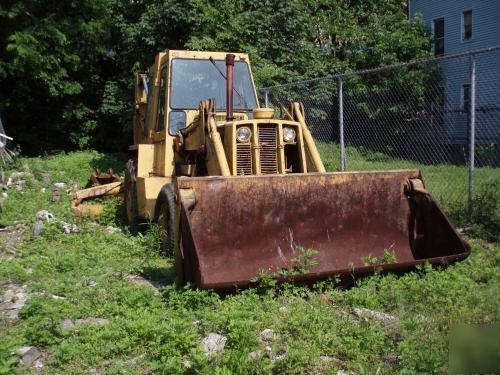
156,332
303,263
66,69
388,258
486,210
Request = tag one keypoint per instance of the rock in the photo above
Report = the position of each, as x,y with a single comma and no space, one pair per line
56,194
14,298
213,345
69,228
60,185
392,359
110,229
70,323
186,364
67,323
382,318
43,190
275,356
46,178
92,283
345,372
133,361
44,215
29,354
38,364
267,335
20,185
139,280
255,356
38,228
328,358
19,175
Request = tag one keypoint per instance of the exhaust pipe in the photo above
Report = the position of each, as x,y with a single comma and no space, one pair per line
229,86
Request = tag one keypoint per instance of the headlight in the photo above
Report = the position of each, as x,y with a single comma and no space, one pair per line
289,134
243,134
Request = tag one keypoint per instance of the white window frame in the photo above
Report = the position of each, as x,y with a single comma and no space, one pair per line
462,26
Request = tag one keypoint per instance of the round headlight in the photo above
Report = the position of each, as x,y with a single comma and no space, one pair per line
289,134
243,134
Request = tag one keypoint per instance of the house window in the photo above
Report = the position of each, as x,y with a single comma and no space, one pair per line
439,37
466,98
467,25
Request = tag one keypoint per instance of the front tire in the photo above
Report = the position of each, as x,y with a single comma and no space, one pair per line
165,216
131,194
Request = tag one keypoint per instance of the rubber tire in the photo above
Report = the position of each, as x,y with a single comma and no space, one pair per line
165,216
130,188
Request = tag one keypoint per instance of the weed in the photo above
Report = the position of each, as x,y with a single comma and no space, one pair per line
388,258
303,263
157,332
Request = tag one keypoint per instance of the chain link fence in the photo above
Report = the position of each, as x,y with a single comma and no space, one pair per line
440,115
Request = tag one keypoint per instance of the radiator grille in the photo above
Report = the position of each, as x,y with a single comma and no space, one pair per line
243,158
268,149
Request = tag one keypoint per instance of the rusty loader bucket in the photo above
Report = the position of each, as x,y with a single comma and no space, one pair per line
231,228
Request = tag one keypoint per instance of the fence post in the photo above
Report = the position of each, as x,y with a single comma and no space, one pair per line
472,134
341,124
266,99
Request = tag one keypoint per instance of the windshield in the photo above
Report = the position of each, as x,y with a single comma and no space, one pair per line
197,80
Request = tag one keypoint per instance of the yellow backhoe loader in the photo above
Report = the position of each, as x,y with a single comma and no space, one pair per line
239,191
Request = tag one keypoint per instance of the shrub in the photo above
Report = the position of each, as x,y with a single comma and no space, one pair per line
486,211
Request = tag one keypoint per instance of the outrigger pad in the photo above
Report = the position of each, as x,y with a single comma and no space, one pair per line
239,226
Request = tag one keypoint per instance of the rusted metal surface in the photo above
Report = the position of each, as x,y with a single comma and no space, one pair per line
229,86
79,209
241,225
102,178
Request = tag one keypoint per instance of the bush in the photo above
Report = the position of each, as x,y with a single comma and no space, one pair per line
486,211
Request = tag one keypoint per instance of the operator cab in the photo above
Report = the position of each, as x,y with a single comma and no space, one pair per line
195,80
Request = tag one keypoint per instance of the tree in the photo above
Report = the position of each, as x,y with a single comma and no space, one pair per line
67,67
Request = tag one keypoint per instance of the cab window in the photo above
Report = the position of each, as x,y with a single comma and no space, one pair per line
160,119
176,121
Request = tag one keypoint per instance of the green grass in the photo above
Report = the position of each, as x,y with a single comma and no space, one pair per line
446,182
159,332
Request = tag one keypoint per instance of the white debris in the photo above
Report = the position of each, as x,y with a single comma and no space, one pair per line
383,318
267,335
110,229
186,364
213,344
44,215
60,185
283,309
69,228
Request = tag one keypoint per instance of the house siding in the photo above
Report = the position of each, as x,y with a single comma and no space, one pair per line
456,72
